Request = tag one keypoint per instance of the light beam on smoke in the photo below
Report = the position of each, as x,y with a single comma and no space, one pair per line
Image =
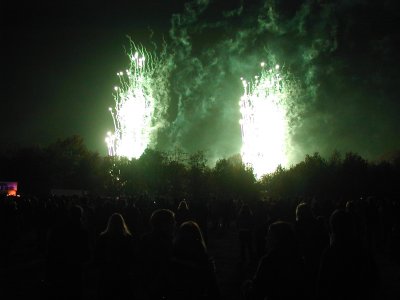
263,123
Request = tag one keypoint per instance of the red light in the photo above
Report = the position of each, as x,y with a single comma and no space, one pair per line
11,193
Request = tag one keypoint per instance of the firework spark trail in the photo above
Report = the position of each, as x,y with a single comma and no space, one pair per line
134,106
263,123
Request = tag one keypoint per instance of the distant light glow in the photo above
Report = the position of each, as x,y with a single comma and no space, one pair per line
263,123
134,107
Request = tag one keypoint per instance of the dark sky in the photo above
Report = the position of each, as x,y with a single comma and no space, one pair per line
59,64
60,60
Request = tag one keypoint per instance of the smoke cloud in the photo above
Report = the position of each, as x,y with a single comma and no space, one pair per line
338,56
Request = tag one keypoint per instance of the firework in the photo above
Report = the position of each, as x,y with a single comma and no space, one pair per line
135,99
263,123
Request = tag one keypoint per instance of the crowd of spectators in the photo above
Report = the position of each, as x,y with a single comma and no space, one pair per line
147,248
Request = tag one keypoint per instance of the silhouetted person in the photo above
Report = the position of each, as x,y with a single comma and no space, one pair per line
262,220
280,272
67,252
115,252
372,222
245,224
182,213
201,216
352,209
347,271
191,272
312,240
8,228
228,212
133,217
156,251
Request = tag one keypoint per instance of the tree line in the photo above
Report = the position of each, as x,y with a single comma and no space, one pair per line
69,164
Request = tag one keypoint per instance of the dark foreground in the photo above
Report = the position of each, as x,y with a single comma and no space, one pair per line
24,277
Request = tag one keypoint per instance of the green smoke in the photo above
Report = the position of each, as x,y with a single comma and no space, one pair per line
336,103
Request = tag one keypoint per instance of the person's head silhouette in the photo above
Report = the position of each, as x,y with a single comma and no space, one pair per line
116,225
163,220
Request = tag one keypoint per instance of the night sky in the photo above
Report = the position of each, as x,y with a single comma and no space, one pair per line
59,67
